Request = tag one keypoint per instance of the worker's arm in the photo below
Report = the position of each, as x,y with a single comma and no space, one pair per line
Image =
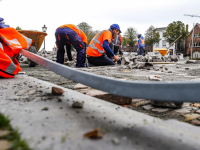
106,47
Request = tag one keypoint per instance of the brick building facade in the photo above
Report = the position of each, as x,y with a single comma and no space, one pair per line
196,42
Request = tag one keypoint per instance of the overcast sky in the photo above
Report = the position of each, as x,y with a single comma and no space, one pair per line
33,14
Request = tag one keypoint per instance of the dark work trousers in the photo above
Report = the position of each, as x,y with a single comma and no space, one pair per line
67,37
102,60
141,51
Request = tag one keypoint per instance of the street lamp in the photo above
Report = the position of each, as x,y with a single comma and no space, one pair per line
44,29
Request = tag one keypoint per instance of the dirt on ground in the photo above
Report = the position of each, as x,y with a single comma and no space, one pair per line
179,72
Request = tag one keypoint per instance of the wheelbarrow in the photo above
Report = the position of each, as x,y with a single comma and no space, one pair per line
165,51
38,38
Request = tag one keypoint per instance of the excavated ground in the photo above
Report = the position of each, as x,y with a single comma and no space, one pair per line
179,72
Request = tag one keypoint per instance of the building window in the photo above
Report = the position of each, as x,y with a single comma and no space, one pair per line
196,35
171,51
157,45
163,43
164,34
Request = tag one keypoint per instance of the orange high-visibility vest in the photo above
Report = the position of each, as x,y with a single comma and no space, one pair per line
77,30
142,41
95,48
11,42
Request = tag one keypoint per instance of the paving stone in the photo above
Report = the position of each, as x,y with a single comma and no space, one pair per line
192,108
154,78
141,103
109,97
4,145
147,107
182,111
80,86
160,109
189,117
166,104
195,122
195,104
186,104
4,132
83,91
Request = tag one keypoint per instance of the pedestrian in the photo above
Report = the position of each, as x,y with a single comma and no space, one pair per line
67,35
141,44
99,50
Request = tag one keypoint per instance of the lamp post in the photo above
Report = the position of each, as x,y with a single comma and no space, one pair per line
44,29
192,31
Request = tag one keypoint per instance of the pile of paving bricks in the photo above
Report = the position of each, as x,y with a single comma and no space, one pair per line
146,62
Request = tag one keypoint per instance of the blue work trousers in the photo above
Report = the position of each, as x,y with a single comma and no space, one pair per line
102,60
67,37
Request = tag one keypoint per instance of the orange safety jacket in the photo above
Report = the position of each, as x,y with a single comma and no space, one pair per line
77,30
95,48
142,41
11,42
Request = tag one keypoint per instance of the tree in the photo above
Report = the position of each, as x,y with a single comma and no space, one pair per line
18,28
130,36
151,36
173,31
91,35
86,28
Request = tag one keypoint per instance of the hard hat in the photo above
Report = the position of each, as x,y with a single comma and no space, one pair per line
139,35
1,19
115,26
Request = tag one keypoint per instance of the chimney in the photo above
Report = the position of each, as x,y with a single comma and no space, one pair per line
186,27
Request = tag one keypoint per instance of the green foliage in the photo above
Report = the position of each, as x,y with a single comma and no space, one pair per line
16,143
91,35
130,36
4,123
174,30
151,36
18,28
86,28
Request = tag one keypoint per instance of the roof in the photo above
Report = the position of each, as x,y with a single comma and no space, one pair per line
163,28
197,24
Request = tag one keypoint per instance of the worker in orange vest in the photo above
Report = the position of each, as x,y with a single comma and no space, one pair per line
98,48
116,44
67,35
11,42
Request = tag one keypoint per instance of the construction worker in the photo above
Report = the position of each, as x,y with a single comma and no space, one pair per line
98,48
116,44
67,35
140,44
11,42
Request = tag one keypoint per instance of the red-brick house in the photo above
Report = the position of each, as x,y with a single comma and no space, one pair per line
196,42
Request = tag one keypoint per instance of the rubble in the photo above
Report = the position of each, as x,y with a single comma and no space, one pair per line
57,91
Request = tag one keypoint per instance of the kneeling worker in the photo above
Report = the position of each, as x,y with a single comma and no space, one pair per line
99,47
67,35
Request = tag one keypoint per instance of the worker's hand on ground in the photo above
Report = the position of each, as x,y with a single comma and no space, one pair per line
116,57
